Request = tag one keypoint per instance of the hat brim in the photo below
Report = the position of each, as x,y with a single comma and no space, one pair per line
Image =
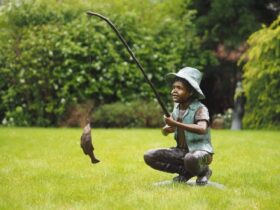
171,76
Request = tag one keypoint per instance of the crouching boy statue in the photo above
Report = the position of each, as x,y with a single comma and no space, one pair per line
189,122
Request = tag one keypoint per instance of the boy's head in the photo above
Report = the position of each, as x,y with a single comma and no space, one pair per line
182,91
189,78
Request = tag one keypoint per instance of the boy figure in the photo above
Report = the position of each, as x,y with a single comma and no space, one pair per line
190,122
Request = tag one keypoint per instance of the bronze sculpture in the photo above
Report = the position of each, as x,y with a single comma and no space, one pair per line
189,121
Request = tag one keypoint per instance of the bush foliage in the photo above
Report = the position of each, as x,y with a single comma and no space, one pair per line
134,114
262,81
53,56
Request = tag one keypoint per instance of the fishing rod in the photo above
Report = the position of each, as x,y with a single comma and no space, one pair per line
134,58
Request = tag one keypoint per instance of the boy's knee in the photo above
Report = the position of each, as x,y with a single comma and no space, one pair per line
193,162
149,156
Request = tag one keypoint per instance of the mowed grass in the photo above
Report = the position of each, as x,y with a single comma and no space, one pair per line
46,169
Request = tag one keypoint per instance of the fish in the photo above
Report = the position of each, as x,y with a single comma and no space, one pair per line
86,144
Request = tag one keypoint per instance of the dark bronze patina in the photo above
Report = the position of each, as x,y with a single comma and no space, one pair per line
86,144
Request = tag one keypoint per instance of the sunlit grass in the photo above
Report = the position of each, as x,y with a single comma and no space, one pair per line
46,169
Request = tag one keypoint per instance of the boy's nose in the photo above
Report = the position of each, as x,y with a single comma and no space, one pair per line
173,91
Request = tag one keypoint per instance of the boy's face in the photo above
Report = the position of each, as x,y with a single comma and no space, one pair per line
180,92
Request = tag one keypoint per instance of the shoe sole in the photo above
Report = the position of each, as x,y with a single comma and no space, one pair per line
208,175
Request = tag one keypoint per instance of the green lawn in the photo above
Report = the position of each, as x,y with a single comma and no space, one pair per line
46,169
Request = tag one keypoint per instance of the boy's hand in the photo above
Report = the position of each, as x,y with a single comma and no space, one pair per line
167,129
169,121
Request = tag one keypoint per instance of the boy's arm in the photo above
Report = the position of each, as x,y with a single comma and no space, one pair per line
200,127
169,129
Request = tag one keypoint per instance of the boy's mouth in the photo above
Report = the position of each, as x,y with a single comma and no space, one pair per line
175,97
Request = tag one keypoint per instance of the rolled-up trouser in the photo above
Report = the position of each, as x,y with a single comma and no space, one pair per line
176,160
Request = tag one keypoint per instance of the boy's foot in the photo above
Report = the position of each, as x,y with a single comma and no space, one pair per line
204,177
181,178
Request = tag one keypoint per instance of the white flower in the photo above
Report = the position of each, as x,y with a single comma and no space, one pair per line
4,121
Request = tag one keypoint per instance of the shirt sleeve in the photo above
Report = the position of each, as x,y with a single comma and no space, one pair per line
202,114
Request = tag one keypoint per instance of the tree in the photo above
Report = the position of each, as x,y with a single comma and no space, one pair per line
224,27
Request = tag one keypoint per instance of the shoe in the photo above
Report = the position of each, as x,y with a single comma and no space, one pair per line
181,178
204,177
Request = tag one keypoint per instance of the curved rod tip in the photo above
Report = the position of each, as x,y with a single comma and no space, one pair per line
94,14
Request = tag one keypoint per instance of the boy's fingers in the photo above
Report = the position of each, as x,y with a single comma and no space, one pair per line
165,117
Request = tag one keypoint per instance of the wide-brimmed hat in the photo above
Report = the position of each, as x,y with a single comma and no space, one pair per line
192,76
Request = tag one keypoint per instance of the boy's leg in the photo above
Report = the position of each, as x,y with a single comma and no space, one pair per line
197,164
169,160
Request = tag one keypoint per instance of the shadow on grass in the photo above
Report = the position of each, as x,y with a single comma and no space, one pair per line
190,183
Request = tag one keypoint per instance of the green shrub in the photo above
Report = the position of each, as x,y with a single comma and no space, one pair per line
134,114
262,81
